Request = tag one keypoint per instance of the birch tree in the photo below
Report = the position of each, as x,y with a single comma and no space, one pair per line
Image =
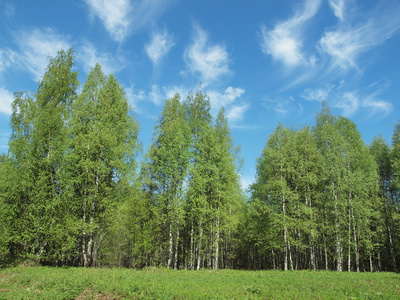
103,149
167,167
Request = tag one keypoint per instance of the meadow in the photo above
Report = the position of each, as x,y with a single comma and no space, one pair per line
154,283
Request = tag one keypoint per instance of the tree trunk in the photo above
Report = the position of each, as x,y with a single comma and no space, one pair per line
170,248
326,254
355,239
177,244
217,242
371,268
285,268
339,250
391,247
349,251
191,248
199,245
90,242
290,256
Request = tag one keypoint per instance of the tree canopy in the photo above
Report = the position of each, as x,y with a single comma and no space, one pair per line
73,191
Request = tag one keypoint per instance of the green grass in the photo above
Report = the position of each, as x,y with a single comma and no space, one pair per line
153,283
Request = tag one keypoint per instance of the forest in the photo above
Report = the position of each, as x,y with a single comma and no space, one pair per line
73,191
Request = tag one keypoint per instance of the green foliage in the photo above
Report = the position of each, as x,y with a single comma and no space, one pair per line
70,193
190,176
71,156
316,193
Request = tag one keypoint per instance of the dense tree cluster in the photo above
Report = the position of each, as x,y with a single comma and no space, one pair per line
322,199
72,192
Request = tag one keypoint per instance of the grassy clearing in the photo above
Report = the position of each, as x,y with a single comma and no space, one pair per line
80,283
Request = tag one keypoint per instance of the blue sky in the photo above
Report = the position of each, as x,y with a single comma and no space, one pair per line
265,61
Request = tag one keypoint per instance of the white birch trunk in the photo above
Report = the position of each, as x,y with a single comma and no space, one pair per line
191,249
177,244
217,244
355,239
170,249
199,245
84,254
339,250
349,251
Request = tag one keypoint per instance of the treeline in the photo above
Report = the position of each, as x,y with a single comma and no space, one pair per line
322,199
72,191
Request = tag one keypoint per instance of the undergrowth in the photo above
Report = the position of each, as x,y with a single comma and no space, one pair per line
34,282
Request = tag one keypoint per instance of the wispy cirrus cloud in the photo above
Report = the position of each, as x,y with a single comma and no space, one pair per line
283,106
159,46
284,42
338,7
156,95
377,106
350,101
122,17
210,61
229,96
171,91
36,47
231,100
347,43
8,58
115,15
319,94
236,113
88,56
6,99
134,97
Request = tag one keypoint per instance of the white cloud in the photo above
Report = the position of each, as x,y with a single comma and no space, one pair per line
352,102
36,47
159,46
6,99
349,104
317,94
228,97
7,58
115,15
158,95
89,56
284,42
338,7
229,100
171,91
147,11
211,61
281,106
376,106
122,17
236,113
155,95
347,43
134,97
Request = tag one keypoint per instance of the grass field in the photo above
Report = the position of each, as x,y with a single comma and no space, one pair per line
153,283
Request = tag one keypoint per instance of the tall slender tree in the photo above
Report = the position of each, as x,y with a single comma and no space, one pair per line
168,162
102,156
